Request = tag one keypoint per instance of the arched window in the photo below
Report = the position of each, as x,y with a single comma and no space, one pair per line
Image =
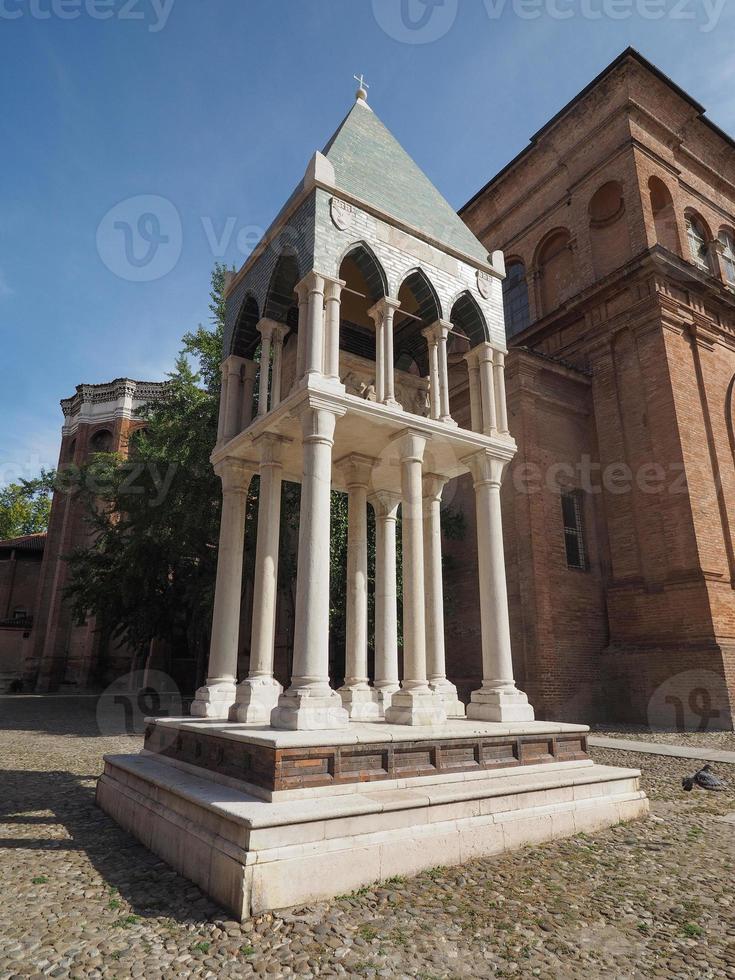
556,269
606,204
664,217
515,298
101,442
727,255
419,309
698,239
365,284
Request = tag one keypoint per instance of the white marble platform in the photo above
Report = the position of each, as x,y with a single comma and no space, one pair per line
251,855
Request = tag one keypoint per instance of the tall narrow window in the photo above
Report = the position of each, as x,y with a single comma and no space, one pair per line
571,510
515,298
698,244
727,240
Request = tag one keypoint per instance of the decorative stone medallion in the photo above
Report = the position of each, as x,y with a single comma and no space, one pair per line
484,284
343,214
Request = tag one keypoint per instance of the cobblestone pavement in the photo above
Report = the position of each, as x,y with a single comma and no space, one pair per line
641,733
82,899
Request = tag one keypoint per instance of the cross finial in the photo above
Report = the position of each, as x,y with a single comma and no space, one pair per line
362,90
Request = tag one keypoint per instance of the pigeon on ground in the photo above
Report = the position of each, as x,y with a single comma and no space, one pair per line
705,779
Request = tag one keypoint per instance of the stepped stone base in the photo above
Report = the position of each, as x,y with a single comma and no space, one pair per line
313,841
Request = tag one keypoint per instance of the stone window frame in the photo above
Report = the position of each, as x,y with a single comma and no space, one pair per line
511,286
726,251
574,529
698,232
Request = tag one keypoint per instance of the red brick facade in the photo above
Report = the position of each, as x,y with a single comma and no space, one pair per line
621,387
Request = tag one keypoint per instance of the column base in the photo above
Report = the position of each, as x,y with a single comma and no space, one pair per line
416,707
447,693
214,699
361,703
256,699
301,711
385,696
489,705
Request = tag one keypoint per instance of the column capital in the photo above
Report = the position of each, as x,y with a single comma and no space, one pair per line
486,468
385,503
317,424
233,365
438,330
235,474
313,282
357,469
279,331
410,444
333,287
385,305
433,486
269,446
266,327
483,352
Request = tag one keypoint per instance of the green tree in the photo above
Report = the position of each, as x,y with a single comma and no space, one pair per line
25,506
155,515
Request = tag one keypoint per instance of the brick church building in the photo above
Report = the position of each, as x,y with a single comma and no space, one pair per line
618,228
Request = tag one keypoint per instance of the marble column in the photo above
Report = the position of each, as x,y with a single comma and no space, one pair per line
434,591
358,697
302,293
217,696
265,328
314,354
487,388
415,703
498,699
382,313
434,396
473,371
258,694
442,335
310,703
385,505
501,405
332,294
249,372
233,399
221,418
279,335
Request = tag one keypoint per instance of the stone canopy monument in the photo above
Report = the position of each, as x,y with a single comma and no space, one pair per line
364,286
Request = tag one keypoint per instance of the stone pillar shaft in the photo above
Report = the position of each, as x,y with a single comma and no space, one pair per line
415,703
382,314
309,702
500,401
386,506
332,315
487,387
303,295
473,369
266,331
258,694
215,699
279,335
434,590
315,325
498,699
248,391
233,367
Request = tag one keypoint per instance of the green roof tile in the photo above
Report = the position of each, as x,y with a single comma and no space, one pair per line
370,164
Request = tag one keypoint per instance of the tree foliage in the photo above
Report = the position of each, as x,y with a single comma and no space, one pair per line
25,506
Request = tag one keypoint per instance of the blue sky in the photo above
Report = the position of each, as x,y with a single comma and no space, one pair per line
216,106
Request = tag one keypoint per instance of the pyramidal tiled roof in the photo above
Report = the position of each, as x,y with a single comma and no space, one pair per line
370,164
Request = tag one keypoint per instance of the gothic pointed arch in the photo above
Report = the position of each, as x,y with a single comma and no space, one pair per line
420,307
365,283
245,336
280,299
467,319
